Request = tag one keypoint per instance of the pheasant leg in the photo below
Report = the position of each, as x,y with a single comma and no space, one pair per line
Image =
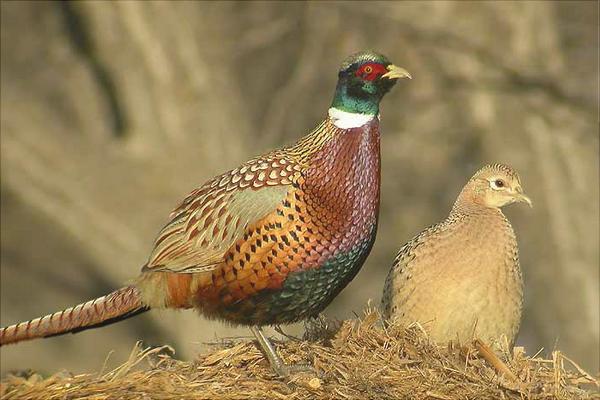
278,365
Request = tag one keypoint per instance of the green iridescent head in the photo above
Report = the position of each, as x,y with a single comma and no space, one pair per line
363,80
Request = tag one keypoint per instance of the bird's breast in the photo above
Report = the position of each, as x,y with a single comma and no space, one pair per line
341,186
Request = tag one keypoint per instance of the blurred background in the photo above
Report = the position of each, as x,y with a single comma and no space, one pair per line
113,111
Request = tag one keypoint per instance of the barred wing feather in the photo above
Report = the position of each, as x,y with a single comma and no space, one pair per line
214,216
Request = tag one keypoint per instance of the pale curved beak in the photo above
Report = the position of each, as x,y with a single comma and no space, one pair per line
522,198
395,72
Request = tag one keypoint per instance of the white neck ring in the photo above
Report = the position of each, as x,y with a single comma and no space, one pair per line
347,120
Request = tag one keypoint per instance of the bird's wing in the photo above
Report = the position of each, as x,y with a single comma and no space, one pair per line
437,233
404,264
211,218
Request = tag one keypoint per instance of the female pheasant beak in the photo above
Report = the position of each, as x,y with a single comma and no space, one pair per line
521,197
395,72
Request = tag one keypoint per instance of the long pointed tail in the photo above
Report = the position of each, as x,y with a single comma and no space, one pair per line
118,305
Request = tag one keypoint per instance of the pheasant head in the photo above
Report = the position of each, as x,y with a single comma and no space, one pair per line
364,78
494,186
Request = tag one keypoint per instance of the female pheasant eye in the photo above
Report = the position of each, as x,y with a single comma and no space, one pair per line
498,183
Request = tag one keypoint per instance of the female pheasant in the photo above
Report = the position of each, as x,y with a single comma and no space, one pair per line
272,241
461,277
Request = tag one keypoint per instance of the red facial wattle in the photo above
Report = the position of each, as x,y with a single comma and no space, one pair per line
371,71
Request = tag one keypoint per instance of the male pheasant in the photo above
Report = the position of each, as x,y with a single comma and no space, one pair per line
461,278
272,241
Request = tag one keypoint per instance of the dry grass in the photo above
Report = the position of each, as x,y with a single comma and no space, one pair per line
357,360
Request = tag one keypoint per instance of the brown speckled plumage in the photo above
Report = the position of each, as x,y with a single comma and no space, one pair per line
461,278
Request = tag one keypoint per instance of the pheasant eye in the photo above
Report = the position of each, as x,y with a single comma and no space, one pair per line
498,183
368,69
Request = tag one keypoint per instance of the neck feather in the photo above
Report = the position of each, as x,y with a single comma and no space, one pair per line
467,204
347,120
345,100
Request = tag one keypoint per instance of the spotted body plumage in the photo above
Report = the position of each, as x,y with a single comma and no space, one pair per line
291,260
461,278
